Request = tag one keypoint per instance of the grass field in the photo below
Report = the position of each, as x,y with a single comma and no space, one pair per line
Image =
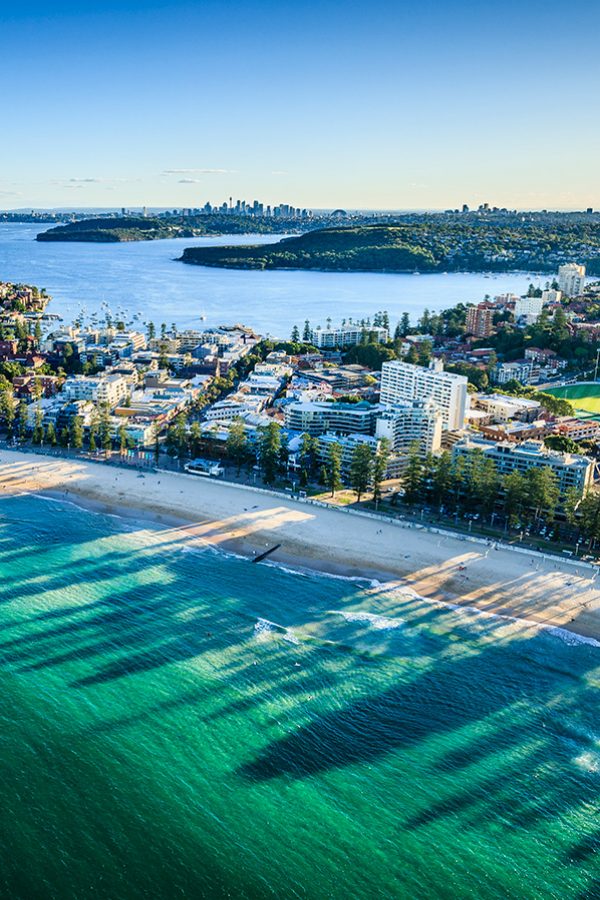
585,398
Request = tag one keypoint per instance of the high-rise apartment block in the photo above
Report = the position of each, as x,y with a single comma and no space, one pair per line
479,321
571,279
402,381
405,424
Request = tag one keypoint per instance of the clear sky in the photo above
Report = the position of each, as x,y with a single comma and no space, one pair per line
371,104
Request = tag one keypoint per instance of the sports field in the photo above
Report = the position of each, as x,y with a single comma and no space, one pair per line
585,397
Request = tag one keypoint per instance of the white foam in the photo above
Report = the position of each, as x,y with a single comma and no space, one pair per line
472,612
187,549
588,761
317,573
264,628
381,623
569,637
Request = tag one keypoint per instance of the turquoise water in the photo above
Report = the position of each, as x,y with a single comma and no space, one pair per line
184,724
143,277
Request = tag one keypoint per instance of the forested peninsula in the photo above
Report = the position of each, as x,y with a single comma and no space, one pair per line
145,228
426,246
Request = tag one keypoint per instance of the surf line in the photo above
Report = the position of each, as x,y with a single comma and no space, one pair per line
264,555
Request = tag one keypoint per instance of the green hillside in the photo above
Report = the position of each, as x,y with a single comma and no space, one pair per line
363,248
105,230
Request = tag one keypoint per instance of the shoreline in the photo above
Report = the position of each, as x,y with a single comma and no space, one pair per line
436,565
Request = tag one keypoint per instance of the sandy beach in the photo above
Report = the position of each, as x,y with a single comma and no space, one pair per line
502,580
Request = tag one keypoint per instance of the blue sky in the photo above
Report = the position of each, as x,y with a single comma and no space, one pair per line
375,105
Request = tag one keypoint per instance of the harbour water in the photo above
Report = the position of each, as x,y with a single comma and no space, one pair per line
143,277
183,724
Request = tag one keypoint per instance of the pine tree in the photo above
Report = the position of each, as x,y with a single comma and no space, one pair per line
76,432
38,430
544,493
237,442
195,438
104,429
412,479
361,468
442,478
380,464
22,420
333,469
308,453
295,335
515,496
269,450
7,407
51,434
306,334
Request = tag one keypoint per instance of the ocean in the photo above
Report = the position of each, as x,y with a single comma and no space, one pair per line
142,277
180,723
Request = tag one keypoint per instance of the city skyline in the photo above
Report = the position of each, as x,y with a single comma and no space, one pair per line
390,107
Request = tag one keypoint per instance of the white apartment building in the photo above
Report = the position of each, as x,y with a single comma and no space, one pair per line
405,423
571,470
346,336
504,409
551,296
235,407
519,370
110,389
316,418
571,279
402,382
528,306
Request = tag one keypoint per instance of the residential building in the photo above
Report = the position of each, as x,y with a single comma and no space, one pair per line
479,321
404,424
516,432
528,307
110,389
234,408
402,381
347,335
551,296
503,408
571,279
571,470
578,429
348,443
519,370
320,417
